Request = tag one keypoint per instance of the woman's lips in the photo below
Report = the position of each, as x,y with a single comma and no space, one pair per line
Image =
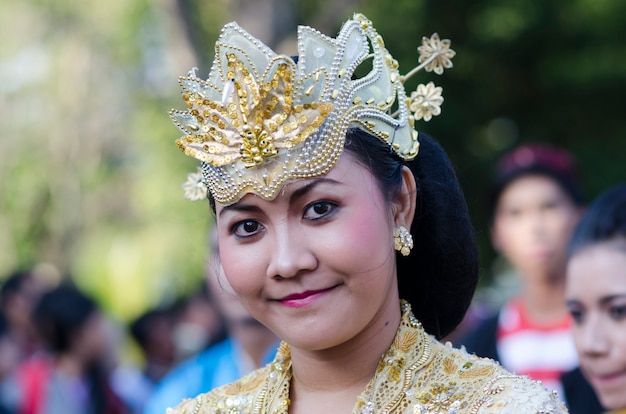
607,377
541,254
299,300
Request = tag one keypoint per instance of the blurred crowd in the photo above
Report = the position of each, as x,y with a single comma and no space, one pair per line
59,353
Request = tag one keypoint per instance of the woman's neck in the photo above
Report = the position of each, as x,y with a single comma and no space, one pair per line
544,301
330,380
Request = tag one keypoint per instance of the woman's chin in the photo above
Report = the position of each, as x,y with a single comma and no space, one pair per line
610,391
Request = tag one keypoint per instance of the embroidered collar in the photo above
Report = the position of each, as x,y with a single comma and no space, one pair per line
409,352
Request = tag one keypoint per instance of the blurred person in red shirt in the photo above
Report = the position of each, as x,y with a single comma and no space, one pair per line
534,204
68,377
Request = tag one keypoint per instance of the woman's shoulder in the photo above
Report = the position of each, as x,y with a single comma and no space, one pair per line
238,396
481,385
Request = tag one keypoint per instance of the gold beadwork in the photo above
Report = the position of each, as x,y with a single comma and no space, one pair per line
270,120
416,375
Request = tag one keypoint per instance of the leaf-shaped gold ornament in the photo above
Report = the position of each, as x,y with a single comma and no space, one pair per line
255,122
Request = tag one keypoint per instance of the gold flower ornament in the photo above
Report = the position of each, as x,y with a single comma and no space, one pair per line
425,102
435,54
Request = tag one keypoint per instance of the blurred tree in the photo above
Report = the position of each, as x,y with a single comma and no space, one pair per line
525,70
84,92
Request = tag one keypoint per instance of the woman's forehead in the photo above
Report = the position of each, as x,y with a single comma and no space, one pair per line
598,269
346,172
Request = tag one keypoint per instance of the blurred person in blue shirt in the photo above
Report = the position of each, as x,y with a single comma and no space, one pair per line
249,345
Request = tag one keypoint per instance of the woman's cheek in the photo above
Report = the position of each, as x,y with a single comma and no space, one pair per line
233,263
365,234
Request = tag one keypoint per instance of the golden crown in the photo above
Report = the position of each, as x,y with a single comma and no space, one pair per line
261,119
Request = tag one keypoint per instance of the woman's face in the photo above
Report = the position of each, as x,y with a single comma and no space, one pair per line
596,298
533,222
316,265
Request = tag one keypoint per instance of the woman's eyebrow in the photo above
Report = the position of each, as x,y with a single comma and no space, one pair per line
606,299
240,207
300,192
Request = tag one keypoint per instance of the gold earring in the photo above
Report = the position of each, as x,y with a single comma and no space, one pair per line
402,240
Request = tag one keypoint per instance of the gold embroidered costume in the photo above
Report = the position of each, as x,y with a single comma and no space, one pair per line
416,375
263,119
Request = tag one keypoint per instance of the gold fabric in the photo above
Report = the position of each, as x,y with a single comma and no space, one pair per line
416,375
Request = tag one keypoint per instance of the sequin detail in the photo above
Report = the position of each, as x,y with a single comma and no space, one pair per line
260,119
416,375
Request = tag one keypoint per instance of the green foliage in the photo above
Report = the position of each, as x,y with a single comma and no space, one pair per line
524,71
91,175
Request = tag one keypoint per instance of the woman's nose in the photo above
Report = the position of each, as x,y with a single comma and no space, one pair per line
594,340
292,253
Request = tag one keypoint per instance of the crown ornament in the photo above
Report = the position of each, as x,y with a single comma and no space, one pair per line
263,119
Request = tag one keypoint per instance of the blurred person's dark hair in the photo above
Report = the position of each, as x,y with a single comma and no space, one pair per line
535,159
13,284
19,293
4,327
140,328
153,332
60,315
604,220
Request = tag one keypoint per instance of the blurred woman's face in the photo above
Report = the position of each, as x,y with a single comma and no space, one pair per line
596,299
91,341
317,264
533,222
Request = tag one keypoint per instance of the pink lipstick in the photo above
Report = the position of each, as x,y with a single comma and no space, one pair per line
299,300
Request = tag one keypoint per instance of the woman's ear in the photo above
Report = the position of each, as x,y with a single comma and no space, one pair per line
405,202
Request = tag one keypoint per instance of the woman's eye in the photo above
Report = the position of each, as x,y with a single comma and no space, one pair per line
618,312
552,205
247,228
577,315
319,209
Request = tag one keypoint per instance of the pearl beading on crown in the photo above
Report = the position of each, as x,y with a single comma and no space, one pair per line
260,119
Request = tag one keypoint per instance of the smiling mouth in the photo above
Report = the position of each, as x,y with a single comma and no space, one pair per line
299,300
608,377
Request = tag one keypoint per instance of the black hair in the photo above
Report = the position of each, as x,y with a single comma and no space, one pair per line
440,275
60,314
537,159
13,284
4,327
141,327
604,220
500,182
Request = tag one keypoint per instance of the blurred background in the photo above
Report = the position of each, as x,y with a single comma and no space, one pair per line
90,177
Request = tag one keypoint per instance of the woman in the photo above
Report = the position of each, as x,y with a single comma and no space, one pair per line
311,175
596,296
